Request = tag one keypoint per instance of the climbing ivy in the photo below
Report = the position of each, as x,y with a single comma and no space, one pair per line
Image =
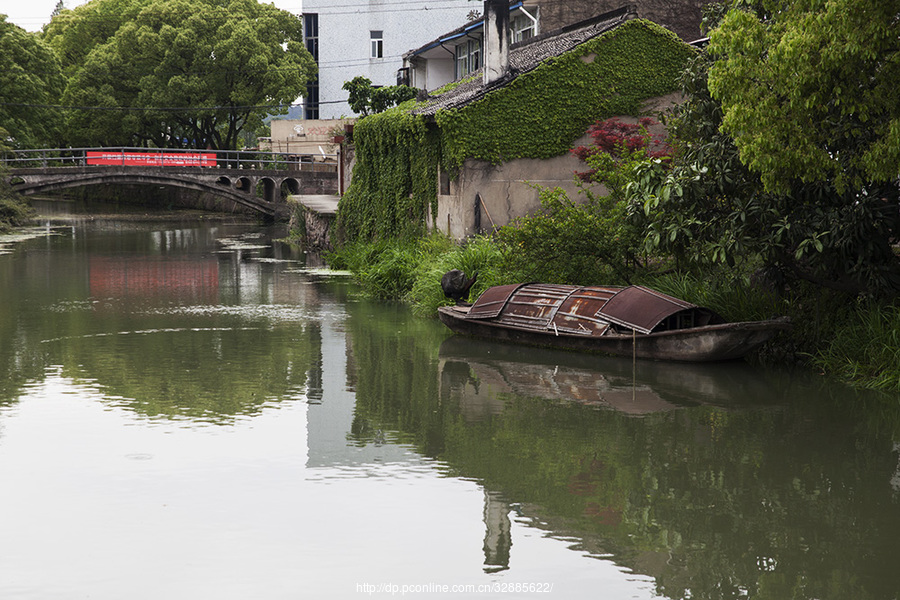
394,179
537,115
540,113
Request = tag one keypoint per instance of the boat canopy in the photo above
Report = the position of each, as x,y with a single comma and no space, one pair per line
587,310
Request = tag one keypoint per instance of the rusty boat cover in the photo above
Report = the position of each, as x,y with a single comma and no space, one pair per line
642,309
587,310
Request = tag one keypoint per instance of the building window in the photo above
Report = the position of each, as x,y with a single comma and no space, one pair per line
377,43
311,36
311,103
521,28
468,58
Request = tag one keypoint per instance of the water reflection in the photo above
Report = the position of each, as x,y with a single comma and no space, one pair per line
164,321
183,281
479,374
248,427
732,482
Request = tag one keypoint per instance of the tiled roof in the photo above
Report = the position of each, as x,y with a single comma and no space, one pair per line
526,56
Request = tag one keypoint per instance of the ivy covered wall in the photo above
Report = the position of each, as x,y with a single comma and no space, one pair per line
538,115
394,179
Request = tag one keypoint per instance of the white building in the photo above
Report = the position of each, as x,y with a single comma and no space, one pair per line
369,37
462,51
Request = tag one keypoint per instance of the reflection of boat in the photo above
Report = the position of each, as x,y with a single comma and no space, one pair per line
631,321
481,375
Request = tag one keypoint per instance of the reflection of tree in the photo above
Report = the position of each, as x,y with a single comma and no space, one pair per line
213,373
185,364
21,355
792,500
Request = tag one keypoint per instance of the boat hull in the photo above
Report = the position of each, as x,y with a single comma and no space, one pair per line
721,342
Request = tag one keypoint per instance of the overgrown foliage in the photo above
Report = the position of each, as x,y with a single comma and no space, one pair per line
172,73
710,209
540,113
14,212
573,242
808,92
394,179
865,348
478,255
365,99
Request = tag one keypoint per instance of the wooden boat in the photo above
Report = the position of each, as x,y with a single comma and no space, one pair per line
631,321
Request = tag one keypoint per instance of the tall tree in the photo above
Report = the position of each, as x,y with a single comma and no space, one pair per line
60,6
31,83
176,73
73,34
809,89
764,177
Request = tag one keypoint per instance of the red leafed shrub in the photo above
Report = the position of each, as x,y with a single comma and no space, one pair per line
621,141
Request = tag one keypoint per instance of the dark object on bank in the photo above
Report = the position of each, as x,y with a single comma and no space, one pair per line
456,285
634,321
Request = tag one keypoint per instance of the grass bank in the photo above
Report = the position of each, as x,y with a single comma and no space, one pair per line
857,342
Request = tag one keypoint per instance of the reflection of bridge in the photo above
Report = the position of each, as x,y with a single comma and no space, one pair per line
257,180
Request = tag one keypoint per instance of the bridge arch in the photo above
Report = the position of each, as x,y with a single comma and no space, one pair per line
260,181
290,186
244,184
269,189
29,184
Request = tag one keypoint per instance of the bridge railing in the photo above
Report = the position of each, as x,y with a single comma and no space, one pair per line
167,157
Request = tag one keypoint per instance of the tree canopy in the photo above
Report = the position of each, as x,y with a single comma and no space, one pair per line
779,163
809,89
31,82
365,99
173,73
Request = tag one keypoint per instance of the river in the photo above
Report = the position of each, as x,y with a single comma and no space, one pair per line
190,408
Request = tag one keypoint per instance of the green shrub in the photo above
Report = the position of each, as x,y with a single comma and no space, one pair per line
14,211
478,255
384,268
568,242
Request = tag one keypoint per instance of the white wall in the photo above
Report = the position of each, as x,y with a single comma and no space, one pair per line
345,44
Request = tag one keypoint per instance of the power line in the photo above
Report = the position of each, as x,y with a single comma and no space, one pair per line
147,108
352,9
161,108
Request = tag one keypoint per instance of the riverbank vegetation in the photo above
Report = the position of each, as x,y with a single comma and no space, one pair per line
14,212
707,216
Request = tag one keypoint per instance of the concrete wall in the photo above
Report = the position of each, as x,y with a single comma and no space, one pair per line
313,228
305,137
433,73
345,43
485,196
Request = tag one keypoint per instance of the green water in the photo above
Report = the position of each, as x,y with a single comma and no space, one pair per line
192,409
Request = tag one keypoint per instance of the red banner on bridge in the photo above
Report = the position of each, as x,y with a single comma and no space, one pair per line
152,159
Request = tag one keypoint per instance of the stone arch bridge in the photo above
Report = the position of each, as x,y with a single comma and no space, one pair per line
257,180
